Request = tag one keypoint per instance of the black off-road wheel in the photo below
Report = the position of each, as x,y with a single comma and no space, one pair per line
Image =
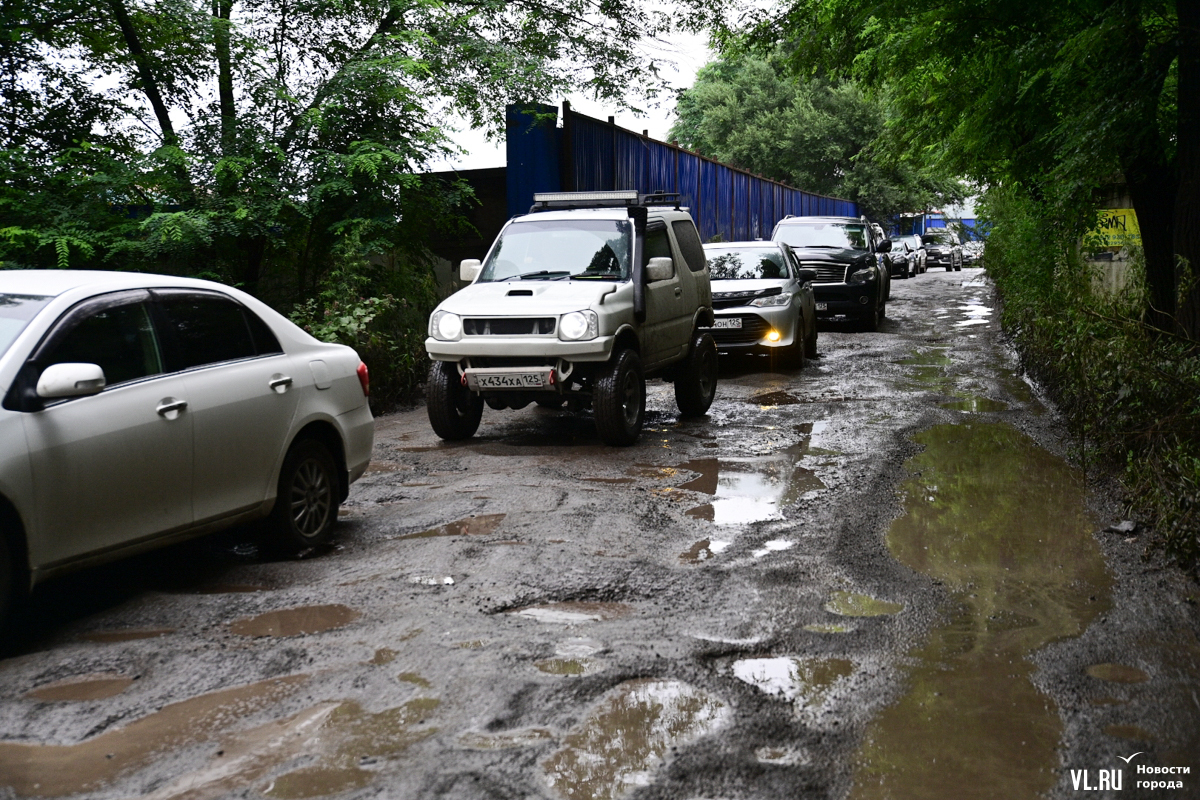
619,400
810,344
870,319
454,410
307,500
696,377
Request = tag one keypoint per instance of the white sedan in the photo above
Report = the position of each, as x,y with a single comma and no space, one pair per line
140,410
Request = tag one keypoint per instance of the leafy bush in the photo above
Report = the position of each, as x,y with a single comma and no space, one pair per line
1130,393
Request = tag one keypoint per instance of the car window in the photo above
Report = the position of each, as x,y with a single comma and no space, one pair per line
265,341
15,312
540,249
208,329
120,339
658,245
689,244
745,263
841,235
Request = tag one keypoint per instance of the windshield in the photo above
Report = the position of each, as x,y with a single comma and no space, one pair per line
943,239
745,263
561,249
842,235
15,312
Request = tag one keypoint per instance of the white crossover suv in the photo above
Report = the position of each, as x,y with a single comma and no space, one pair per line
139,410
579,301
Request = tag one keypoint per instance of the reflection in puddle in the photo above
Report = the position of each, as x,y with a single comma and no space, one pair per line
748,489
82,687
625,738
853,604
807,681
773,399
567,666
128,635
773,546
829,628
482,525
52,770
975,404
704,549
1117,673
524,737
573,612
296,621
1007,534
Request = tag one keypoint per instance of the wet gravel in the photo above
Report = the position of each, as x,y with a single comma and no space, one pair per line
712,613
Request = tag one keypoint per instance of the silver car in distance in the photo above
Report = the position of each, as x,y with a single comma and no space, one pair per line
140,410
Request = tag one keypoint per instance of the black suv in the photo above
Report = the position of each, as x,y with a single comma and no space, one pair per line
852,265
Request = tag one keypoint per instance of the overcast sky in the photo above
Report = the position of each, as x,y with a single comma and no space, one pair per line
689,52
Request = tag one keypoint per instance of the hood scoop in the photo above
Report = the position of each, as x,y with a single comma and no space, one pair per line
520,293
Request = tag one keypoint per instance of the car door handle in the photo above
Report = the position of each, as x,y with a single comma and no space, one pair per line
169,407
279,383
678,292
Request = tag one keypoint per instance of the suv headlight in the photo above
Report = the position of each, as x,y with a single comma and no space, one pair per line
862,276
445,326
578,326
773,300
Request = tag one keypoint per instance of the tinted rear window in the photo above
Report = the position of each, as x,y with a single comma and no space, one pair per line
208,329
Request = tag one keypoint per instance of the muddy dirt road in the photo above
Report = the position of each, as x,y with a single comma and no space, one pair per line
875,577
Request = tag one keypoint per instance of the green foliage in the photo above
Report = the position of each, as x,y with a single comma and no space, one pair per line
819,135
1130,393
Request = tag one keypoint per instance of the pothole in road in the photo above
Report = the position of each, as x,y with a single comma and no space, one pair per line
523,737
568,666
782,756
748,490
81,688
298,621
574,612
626,737
1117,673
703,550
853,604
805,681
46,770
482,525
826,627
976,404
1001,523
777,398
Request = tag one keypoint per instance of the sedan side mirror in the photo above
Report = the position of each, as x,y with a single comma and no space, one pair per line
70,380
660,269
469,269
885,246
806,275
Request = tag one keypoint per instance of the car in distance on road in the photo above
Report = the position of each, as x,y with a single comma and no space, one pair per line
973,253
763,301
915,249
943,249
140,410
579,301
851,262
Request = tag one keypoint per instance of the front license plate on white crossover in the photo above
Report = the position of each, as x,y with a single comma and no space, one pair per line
822,306
728,322
512,380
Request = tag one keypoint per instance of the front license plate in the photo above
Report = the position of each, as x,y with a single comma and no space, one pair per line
512,380
822,306
728,322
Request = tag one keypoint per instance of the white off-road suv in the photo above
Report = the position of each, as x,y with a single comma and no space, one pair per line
578,301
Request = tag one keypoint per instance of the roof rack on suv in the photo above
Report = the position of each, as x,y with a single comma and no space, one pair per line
630,198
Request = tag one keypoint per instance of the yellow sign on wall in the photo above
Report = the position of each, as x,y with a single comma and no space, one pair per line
1116,227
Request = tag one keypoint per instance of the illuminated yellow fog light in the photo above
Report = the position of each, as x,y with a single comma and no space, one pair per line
773,336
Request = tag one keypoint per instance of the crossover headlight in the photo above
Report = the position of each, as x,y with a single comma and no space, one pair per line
862,276
445,326
578,326
773,300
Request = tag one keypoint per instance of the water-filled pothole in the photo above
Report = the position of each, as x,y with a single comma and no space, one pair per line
626,737
574,612
298,621
976,404
1001,523
776,398
82,687
703,550
748,489
806,681
853,604
481,525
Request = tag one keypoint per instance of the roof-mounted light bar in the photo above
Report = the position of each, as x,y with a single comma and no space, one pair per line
623,196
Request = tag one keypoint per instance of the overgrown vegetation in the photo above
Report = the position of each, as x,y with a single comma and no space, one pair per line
1129,392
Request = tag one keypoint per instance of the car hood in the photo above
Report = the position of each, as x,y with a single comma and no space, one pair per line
837,256
526,298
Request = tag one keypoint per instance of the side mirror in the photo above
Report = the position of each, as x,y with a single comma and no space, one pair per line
469,269
806,275
660,269
885,246
70,380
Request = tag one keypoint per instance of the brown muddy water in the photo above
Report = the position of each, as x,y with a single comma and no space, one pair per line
81,688
1002,524
481,525
298,621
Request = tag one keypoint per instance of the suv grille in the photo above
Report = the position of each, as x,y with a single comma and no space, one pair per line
508,326
753,329
827,272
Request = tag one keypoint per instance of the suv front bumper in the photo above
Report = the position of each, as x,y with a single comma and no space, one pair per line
598,349
845,300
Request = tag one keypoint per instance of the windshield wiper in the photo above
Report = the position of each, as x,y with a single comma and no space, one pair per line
541,273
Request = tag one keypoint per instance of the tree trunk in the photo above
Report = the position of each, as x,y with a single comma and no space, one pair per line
1152,185
222,11
1187,198
145,75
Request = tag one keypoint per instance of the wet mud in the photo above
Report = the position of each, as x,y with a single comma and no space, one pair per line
300,621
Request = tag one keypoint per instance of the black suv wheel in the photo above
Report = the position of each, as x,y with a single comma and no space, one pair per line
619,399
454,410
696,380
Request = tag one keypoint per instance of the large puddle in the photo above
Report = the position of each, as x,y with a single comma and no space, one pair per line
299,621
805,681
748,489
625,739
1001,522
82,688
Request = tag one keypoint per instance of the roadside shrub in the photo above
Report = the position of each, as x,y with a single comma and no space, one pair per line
1129,392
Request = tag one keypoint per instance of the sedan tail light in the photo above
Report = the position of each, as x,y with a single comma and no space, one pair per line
364,377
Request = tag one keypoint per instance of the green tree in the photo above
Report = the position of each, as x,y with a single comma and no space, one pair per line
1051,97
823,136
